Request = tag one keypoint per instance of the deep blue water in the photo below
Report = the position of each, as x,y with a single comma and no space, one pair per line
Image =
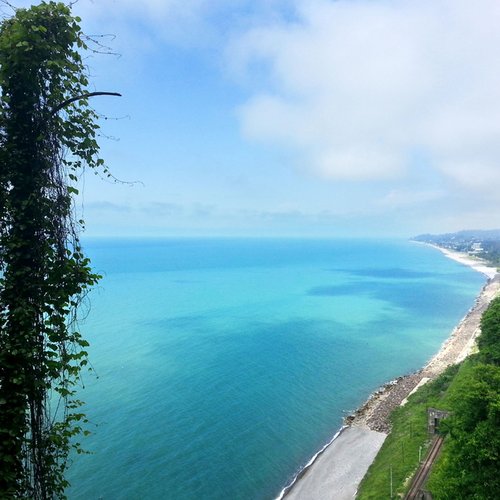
224,364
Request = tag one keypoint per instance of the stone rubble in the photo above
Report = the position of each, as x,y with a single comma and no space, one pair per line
375,413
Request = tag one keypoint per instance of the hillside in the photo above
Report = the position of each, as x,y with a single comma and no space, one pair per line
484,244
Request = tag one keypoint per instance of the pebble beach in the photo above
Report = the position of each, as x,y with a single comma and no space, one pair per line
339,468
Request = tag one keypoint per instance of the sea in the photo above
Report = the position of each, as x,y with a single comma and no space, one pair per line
221,366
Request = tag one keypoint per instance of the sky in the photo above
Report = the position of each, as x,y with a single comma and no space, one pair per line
345,118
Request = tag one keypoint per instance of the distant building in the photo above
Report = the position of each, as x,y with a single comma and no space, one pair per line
476,248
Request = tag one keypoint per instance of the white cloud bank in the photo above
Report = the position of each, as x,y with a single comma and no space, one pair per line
356,88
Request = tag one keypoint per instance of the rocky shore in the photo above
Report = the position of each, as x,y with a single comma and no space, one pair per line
376,411
340,467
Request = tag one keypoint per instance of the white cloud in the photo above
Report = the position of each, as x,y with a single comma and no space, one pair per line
190,23
355,87
353,90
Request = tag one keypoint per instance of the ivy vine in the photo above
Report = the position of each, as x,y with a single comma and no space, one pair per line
47,136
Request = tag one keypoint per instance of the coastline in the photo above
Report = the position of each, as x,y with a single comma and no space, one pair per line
477,264
337,470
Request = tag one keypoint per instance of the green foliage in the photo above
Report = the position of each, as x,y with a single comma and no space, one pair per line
468,467
407,441
491,251
489,340
43,272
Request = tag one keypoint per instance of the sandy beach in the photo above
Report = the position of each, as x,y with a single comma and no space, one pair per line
477,264
338,470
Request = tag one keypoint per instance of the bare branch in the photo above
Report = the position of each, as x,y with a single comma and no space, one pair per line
83,96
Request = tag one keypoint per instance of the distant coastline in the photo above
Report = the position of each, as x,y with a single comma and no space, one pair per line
479,245
476,263
338,469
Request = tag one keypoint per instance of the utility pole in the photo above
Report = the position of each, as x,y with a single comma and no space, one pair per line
391,480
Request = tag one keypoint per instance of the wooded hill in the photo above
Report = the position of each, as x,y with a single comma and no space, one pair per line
484,244
468,465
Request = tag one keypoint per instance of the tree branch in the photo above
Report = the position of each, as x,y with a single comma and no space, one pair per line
83,96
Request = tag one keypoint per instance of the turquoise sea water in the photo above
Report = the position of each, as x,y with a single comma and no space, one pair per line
224,365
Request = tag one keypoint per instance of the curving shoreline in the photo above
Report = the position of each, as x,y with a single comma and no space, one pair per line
375,412
337,470
477,264
284,492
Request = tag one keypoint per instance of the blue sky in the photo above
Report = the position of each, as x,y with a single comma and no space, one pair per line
296,117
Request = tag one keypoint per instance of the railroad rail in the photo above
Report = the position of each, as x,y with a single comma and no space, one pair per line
415,492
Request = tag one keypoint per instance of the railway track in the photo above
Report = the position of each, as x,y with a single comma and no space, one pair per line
422,473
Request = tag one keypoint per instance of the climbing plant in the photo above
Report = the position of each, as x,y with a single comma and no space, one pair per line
47,136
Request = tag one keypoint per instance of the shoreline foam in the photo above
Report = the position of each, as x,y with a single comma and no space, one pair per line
338,471
372,418
376,410
479,265
309,464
